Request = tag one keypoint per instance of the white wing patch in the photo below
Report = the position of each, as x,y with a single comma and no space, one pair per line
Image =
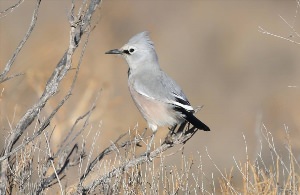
178,96
187,107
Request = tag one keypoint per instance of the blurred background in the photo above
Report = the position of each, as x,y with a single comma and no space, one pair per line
213,49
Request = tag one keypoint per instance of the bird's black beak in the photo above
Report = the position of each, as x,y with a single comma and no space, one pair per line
114,51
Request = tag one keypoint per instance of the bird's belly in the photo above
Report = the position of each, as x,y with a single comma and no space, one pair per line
155,112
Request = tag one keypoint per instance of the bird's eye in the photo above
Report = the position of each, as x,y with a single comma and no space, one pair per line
131,50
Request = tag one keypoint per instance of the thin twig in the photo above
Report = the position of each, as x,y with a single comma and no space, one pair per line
12,76
21,44
53,166
10,9
181,137
78,29
225,178
263,31
290,26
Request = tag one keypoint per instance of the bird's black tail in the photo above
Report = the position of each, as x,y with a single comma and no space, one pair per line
196,122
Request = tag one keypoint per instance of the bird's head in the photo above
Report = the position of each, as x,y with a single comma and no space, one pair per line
138,52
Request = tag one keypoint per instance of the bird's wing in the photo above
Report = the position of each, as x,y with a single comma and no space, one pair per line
161,87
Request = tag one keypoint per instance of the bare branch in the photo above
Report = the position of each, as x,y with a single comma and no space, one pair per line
263,31
10,9
290,26
21,44
79,27
293,34
59,170
50,89
181,136
12,76
53,166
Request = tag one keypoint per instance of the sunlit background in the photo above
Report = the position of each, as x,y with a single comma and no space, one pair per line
245,79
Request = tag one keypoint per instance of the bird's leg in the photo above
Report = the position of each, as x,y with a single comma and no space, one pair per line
169,136
172,129
149,145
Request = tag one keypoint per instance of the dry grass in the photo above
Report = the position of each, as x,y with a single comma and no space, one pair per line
281,176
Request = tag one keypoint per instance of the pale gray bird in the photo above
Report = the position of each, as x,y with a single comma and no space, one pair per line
159,99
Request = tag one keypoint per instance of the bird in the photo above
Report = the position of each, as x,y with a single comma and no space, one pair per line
157,96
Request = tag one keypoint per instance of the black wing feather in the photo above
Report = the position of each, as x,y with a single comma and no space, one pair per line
189,115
